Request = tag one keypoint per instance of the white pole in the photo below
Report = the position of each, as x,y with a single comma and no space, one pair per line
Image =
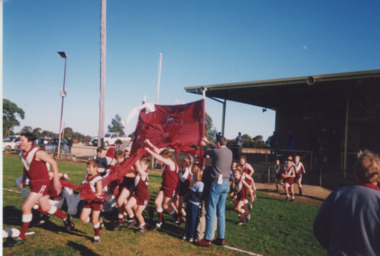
102,73
159,77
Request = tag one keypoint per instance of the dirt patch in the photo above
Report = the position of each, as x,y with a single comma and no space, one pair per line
310,194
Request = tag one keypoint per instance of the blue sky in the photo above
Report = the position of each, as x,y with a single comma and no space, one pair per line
202,41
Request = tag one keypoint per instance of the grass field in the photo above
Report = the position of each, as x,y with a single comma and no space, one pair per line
276,227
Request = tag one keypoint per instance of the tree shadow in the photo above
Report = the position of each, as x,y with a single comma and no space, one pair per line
82,249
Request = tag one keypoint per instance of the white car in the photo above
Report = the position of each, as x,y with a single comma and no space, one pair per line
11,142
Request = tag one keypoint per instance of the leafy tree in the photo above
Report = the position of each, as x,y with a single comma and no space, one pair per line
10,113
116,126
37,132
26,129
68,132
210,129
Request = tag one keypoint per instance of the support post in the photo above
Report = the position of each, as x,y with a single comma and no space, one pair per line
346,137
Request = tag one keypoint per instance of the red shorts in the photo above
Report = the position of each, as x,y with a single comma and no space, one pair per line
168,192
40,187
96,206
141,202
289,181
298,176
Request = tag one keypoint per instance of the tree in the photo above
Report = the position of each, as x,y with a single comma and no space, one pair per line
26,129
68,132
10,113
37,132
210,130
116,126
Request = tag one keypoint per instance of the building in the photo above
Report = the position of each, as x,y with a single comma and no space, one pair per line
340,111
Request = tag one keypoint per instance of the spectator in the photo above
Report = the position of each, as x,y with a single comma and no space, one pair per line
112,150
291,140
348,222
220,175
193,199
274,142
239,142
70,143
207,180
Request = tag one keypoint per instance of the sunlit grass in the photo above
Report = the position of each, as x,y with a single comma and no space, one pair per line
276,227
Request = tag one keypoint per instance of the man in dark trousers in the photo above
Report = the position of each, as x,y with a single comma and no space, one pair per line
220,174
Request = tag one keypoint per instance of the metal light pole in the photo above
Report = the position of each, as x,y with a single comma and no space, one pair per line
63,95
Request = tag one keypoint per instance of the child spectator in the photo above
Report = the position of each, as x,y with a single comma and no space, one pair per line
185,177
299,170
139,201
93,207
104,161
193,199
232,180
278,171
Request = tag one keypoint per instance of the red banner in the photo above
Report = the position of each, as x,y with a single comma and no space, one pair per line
180,127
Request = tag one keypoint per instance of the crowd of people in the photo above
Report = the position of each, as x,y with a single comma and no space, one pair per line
191,195
196,196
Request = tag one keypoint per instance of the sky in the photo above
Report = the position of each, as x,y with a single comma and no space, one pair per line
203,42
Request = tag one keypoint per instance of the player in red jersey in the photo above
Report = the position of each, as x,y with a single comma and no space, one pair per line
139,201
300,170
248,169
35,162
125,189
288,176
93,207
241,188
164,199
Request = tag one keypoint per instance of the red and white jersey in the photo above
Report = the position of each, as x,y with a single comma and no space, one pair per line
92,181
299,167
36,170
288,172
240,189
141,187
170,178
245,168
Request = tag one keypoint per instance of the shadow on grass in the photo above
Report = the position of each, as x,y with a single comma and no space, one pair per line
82,249
11,216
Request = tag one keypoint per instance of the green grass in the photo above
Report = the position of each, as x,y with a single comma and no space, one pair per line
276,227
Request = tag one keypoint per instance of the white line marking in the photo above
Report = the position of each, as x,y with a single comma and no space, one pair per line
7,189
239,250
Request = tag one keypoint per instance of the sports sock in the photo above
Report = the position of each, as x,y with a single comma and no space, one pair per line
121,218
160,213
56,212
97,229
26,219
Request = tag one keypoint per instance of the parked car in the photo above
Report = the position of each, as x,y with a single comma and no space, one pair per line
52,144
11,142
109,139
